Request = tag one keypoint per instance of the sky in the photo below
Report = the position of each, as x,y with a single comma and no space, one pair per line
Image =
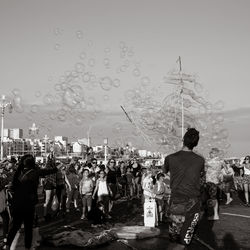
43,40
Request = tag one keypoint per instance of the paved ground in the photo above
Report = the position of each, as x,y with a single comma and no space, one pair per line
230,232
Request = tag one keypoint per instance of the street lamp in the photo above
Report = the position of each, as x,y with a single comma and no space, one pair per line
33,130
3,105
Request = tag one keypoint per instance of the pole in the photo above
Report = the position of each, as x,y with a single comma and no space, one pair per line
181,93
105,154
2,128
182,116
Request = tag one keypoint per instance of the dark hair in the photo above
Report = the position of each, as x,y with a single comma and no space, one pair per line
247,158
191,138
26,161
159,175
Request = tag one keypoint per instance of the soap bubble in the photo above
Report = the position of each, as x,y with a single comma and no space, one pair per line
106,83
17,104
78,120
129,94
38,94
57,87
57,46
198,87
92,78
91,62
16,92
219,105
72,96
122,44
123,68
136,72
34,108
105,98
106,61
79,67
52,115
145,81
90,100
61,118
79,34
86,77
130,53
48,99
90,43
82,55
116,83
57,31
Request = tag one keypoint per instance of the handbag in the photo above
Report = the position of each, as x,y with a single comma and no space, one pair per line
55,203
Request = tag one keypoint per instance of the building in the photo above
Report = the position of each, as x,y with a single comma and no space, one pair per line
63,140
17,147
13,133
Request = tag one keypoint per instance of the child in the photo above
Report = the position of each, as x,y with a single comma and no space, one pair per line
86,189
130,183
160,191
97,215
103,192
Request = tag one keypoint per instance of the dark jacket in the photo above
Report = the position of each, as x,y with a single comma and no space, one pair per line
26,184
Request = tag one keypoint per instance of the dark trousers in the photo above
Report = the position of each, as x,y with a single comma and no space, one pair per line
61,196
26,216
6,219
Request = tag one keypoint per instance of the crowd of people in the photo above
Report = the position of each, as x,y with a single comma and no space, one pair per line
91,187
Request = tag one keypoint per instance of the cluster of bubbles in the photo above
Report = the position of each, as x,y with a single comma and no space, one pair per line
156,120
161,121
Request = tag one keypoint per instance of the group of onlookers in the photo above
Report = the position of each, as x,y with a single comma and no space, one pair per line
91,186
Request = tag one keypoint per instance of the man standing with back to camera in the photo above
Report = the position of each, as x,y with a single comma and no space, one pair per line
186,169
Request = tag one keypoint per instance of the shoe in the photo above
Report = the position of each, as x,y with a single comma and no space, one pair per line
83,217
77,209
246,204
109,217
228,202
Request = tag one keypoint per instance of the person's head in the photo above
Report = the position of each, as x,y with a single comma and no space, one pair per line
128,170
85,172
112,162
94,162
247,159
102,174
214,152
191,138
27,161
71,169
89,150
